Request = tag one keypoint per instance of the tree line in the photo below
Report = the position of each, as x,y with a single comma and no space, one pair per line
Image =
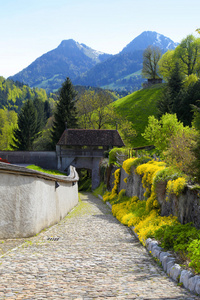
37,129
176,130
94,110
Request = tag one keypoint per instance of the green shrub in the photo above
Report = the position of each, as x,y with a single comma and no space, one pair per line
177,237
194,254
100,190
166,174
113,153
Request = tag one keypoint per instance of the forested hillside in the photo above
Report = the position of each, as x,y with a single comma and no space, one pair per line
14,94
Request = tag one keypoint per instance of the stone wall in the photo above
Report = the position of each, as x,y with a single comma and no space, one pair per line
31,201
44,159
186,206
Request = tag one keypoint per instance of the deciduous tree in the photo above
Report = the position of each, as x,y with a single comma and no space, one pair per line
188,53
8,121
166,64
94,110
159,132
151,57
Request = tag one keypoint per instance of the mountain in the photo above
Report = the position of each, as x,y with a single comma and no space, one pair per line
148,38
89,67
123,71
114,68
69,59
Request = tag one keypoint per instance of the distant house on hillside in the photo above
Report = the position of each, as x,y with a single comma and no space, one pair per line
151,82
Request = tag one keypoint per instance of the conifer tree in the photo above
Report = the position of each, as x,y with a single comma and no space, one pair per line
27,128
65,111
39,106
189,98
170,101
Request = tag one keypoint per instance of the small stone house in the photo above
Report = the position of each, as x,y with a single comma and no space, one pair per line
151,82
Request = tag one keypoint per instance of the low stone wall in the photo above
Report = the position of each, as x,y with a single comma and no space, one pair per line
186,206
31,201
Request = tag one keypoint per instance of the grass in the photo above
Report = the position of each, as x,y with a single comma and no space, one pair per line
51,172
81,209
133,74
100,190
137,107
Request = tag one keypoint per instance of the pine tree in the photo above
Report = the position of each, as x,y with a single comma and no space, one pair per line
170,101
189,98
39,106
27,128
65,111
47,110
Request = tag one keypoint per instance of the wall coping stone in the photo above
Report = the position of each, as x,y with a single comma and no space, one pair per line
19,170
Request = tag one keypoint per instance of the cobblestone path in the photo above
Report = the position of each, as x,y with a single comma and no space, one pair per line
95,257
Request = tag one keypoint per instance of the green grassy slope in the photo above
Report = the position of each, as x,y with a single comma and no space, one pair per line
137,107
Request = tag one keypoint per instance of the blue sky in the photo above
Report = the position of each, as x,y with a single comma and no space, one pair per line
30,28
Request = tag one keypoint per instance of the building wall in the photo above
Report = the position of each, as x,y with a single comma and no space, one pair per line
30,202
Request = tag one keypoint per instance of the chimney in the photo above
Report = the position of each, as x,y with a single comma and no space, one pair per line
65,125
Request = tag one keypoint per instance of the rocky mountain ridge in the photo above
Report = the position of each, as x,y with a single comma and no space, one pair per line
86,66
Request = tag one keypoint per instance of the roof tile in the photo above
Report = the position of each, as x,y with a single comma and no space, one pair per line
91,137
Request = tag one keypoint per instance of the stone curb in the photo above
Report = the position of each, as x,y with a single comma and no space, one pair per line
173,270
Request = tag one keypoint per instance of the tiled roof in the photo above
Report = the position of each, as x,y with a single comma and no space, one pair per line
90,137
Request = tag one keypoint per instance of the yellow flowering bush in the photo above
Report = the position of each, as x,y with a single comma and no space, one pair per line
111,196
152,202
144,215
130,211
176,186
127,164
147,193
134,212
148,171
116,181
147,227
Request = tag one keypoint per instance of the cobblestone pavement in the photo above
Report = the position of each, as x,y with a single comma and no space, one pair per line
95,257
